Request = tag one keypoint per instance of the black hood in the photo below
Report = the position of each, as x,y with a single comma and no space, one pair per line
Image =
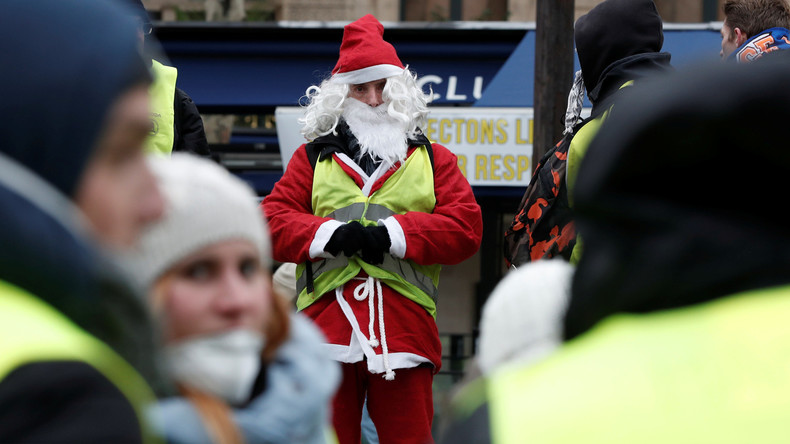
635,67
65,63
681,198
613,30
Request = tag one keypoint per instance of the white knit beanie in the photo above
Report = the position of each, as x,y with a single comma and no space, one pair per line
522,318
284,280
204,204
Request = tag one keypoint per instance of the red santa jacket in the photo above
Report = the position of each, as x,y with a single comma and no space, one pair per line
449,235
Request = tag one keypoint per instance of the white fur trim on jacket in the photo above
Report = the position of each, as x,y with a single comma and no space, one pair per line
368,74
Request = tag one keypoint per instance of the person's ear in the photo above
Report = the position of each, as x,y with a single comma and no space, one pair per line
740,37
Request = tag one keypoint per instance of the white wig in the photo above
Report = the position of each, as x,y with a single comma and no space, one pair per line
405,100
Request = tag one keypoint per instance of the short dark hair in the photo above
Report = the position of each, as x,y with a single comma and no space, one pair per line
753,16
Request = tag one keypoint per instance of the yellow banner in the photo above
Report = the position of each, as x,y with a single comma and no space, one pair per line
493,145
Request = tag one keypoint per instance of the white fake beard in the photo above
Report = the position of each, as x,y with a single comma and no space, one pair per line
379,135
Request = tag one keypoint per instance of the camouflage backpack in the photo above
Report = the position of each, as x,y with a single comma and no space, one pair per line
543,225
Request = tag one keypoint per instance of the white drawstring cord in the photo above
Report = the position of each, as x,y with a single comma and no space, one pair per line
363,291
368,289
389,374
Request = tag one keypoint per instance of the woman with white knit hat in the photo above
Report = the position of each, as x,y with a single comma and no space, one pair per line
248,371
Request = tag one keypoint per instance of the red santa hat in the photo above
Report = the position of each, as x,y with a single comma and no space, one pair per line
364,55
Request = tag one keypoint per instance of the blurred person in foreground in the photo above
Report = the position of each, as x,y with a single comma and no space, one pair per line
618,43
77,344
677,324
370,209
247,370
522,319
521,324
753,28
176,124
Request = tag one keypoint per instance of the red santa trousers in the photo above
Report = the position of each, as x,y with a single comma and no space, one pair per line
401,409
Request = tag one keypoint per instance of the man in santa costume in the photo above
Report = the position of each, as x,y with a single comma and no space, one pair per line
370,208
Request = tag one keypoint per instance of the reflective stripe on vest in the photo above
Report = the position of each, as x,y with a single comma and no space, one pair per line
390,264
163,93
337,196
357,210
36,332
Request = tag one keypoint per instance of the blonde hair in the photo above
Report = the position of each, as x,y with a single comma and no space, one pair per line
406,103
215,414
279,326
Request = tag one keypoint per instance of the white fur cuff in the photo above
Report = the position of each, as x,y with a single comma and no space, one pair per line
397,237
321,238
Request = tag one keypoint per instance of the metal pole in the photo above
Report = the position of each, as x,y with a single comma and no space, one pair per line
553,71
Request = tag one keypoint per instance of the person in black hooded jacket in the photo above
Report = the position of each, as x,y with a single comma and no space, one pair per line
618,43
77,354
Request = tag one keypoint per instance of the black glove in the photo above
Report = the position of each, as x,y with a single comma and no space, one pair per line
347,238
376,243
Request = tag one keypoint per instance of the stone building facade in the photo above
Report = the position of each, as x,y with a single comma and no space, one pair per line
674,11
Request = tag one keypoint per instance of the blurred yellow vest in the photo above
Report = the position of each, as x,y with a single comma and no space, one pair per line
711,373
163,93
32,331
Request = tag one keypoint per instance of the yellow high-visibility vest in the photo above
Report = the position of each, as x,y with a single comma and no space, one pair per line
714,372
336,195
33,331
163,93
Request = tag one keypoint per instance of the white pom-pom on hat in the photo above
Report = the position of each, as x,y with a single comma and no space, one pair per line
523,317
